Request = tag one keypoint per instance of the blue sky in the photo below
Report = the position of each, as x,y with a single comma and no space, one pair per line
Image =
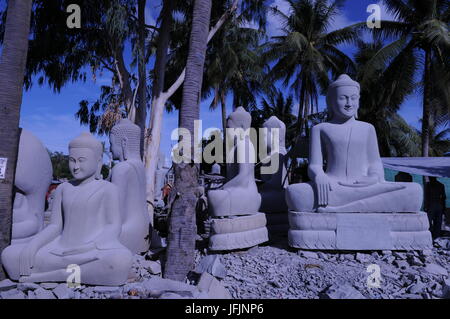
50,116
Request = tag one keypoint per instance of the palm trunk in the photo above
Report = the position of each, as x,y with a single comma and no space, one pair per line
223,105
12,70
224,126
426,105
182,223
301,110
141,111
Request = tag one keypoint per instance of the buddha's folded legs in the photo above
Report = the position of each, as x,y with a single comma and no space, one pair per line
234,201
10,260
381,197
301,197
98,267
219,202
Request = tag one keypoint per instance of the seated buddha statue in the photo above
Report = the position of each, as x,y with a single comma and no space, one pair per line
129,177
84,229
32,179
353,178
239,195
272,190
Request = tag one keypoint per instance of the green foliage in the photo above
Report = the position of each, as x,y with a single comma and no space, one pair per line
306,52
60,164
277,105
392,70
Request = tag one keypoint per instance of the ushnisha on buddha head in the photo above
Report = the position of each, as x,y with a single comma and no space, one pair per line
343,98
85,157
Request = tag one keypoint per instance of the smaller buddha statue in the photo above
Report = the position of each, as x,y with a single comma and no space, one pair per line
84,229
129,177
273,191
353,180
239,195
32,180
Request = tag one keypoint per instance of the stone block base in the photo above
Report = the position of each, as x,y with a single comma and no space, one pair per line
238,224
232,241
359,231
238,232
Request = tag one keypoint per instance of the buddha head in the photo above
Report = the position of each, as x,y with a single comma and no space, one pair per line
240,119
274,123
343,98
125,139
85,157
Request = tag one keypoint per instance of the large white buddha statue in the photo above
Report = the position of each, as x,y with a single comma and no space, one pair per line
129,177
353,178
84,229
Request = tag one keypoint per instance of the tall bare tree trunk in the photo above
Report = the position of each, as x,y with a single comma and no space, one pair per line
153,137
12,70
182,223
141,111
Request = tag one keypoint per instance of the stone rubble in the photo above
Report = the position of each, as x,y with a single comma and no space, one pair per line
273,271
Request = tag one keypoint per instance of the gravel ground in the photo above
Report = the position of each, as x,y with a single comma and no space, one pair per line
274,271
277,271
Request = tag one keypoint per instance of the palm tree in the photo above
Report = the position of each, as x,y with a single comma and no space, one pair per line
12,69
421,29
182,223
234,66
277,105
383,93
440,139
403,139
307,52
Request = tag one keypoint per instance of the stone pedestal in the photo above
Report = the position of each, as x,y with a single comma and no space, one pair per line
238,232
359,231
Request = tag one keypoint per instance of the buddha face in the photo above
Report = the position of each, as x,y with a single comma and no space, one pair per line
345,101
83,163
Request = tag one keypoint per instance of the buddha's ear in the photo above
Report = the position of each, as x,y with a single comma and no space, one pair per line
124,144
98,173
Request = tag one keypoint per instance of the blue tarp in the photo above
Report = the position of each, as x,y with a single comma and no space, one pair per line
425,166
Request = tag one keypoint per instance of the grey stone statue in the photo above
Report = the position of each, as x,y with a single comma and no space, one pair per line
32,180
234,207
129,177
273,191
84,229
240,173
323,211
353,180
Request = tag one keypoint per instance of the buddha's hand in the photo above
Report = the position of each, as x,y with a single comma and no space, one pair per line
323,186
26,259
362,181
